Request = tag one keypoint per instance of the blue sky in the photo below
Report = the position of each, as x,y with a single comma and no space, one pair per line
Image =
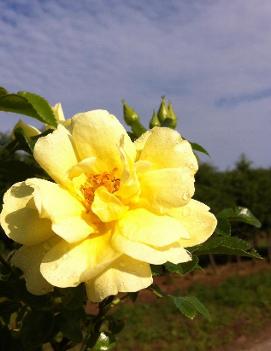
211,58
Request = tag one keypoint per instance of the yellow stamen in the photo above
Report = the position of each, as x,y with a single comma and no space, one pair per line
108,180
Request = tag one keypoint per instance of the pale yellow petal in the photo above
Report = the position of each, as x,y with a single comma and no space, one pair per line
20,218
67,265
129,185
67,214
124,275
58,112
74,229
143,226
155,255
55,154
166,149
107,206
28,259
87,165
199,222
167,188
99,134
28,129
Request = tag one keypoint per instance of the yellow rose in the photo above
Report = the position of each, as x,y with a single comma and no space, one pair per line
116,207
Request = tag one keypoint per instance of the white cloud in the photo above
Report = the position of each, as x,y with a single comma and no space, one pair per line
90,54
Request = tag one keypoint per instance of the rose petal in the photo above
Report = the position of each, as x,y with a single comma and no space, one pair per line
124,275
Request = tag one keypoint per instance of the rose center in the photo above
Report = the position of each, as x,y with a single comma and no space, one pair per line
108,180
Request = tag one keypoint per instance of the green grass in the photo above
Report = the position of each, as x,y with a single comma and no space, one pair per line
240,305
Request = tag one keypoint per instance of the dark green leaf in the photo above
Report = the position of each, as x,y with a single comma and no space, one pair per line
7,307
69,323
240,214
133,296
26,142
227,245
199,148
223,227
183,268
190,306
28,104
73,298
37,329
15,170
7,342
115,325
157,270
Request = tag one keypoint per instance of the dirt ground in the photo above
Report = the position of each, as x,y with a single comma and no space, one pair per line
211,277
260,342
206,276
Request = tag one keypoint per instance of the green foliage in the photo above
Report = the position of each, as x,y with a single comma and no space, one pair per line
199,148
190,306
243,301
226,245
183,268
28,104
37,329
239,214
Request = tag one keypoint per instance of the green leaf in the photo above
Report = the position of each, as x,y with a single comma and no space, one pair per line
26,143
41,106
115,325
223,227
157,270
73,298
15,170
239,214
7,307
69,324
183,268
105,342
227,245
7,342
28,104
190,306
37,329
199,148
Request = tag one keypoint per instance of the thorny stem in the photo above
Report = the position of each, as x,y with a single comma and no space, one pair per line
4,262
104,307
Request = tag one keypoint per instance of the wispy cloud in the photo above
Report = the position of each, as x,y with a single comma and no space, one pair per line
234,101
90,54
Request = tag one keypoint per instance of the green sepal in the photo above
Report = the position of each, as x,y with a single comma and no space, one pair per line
199,148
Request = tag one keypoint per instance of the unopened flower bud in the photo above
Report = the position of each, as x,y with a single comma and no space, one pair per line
163,111
129,114
171,118
132,119
154,122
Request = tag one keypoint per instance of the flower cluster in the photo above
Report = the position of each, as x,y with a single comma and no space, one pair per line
113,207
